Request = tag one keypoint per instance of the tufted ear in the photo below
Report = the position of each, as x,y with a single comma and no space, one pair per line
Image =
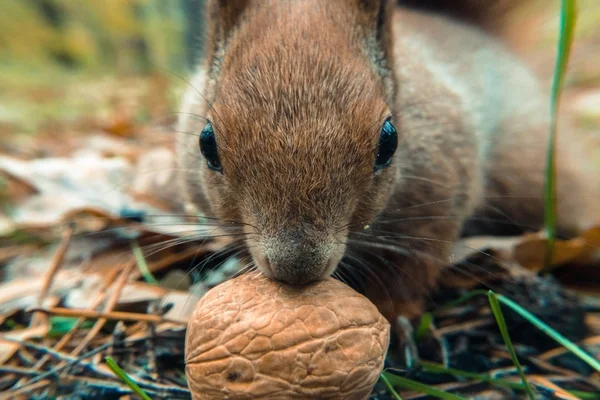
222,17
375,17
372,20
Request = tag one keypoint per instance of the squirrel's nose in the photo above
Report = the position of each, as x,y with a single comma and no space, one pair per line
295,258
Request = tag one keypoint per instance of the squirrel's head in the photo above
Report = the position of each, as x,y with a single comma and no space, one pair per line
298,139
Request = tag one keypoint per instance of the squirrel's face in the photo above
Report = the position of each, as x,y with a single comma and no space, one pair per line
298,147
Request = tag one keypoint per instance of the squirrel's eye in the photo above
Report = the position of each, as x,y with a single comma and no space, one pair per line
388,141
208,147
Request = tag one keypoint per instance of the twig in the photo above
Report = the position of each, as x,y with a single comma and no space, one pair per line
110,304
39,319
24,389
557,351
67,337
464,326
160,388
117,386
152,362
17,371
71,361
113,316
57,261
102,384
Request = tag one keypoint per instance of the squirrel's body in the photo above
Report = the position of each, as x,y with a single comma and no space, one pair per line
297,92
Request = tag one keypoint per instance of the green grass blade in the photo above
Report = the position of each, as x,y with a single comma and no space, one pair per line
424,325
585,395
504,331
420,387
141,263
434,368
125,378
389,387
572,347
567,27
560,339
61,325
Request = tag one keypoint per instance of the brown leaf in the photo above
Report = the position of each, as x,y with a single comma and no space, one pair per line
121,125
7,349
23,293
531,252
14,189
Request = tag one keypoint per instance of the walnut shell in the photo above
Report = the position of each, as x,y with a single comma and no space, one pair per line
251,337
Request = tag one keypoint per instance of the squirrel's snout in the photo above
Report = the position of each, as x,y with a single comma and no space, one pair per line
297,259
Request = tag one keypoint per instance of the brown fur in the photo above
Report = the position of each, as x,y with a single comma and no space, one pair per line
297,92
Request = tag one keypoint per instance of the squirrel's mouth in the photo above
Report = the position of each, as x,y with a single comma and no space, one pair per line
296,261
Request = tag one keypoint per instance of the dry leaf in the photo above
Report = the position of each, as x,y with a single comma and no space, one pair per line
531,252
121,125
7,349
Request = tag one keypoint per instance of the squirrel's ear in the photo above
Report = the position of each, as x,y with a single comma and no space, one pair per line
377,17
224,16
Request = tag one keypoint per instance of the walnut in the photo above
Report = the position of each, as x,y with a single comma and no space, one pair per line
252,337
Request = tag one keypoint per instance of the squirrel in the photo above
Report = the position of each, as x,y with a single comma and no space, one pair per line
362,138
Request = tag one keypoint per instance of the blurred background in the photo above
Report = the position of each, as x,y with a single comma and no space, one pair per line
71,66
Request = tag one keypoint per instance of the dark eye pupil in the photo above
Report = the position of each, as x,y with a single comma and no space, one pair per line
388,141
208,148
